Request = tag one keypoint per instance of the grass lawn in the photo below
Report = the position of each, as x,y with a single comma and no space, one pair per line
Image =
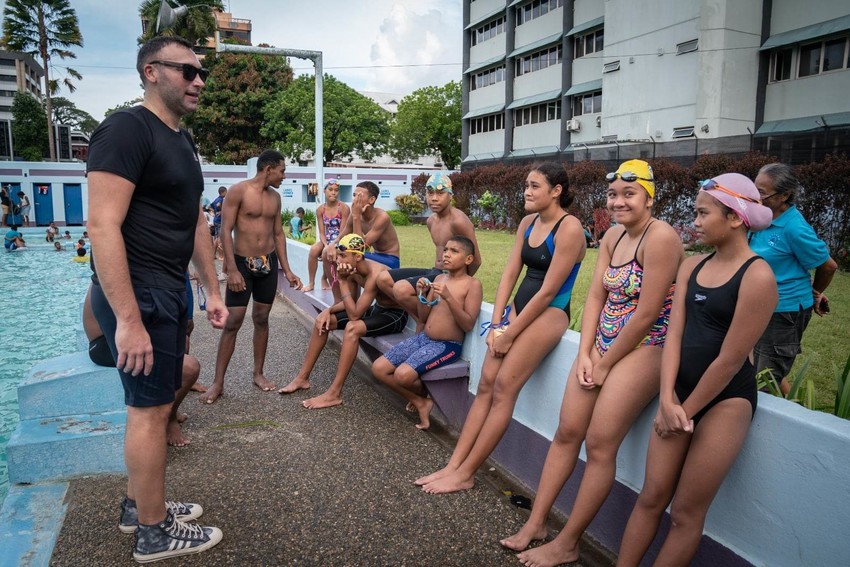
825,343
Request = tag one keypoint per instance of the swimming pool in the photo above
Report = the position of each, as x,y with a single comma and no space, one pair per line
42,292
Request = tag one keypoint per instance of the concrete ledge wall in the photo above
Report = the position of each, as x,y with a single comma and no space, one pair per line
785,502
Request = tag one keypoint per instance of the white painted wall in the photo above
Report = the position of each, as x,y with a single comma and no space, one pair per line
487,96
537,135
538,28
481,8
487,142
808,96
787,15
586,10
589,132
542,81
487,50
588,68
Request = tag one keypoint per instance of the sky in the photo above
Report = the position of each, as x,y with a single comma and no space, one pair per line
393,46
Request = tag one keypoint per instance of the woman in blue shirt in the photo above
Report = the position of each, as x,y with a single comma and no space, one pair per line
792,249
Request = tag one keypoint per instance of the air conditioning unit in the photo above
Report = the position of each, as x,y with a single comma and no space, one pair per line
573,125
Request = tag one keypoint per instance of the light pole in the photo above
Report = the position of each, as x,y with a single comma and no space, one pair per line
168,15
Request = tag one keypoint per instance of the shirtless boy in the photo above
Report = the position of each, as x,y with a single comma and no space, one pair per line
448,308
357,315
374,224
252,209
443,224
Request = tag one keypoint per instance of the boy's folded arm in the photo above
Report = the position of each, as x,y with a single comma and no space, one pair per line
466,314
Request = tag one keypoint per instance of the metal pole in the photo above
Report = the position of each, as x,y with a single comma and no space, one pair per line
316,58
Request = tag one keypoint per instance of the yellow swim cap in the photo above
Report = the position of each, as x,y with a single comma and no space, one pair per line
352,243
642,173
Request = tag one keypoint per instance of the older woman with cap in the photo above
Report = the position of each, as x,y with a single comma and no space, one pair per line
723,303
792,249
616,371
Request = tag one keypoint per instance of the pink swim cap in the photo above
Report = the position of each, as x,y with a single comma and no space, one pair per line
737,192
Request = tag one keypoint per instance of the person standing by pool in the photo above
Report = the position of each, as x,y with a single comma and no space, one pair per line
616,371
792,248
25,208
331,216
145,178
535,322
216,207
708,396
6,203
254,246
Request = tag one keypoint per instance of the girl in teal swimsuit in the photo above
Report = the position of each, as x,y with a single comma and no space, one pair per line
551,244
616,370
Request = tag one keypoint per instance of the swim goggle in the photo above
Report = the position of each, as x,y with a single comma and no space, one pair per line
712,185
502,323
627,176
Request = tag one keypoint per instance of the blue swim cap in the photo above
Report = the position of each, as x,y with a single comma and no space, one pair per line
439,182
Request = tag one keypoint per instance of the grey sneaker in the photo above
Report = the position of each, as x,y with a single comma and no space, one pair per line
182,511
172,538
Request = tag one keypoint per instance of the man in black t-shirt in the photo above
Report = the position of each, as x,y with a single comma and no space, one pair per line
144,178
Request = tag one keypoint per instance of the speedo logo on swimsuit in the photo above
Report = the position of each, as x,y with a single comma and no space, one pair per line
699,298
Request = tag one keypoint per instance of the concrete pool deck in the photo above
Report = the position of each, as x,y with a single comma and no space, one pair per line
289,486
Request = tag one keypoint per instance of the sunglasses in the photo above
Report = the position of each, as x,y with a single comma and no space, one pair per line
189,71
626,176
712,185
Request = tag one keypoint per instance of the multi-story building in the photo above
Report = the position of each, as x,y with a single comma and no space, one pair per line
19,72
605,79
228,28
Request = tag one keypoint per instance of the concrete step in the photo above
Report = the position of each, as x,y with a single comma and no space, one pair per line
30,520
70,384
57,448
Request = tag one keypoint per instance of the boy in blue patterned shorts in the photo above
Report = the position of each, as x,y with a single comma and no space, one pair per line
449,308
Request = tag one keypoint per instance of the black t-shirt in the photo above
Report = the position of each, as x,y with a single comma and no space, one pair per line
159,229
5,200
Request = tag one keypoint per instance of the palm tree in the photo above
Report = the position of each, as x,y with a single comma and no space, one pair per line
45,29
196,26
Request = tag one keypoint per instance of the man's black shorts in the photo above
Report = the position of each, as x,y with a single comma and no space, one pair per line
412,275
163,314
378,320
262,287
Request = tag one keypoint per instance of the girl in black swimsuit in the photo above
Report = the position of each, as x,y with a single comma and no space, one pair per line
537,322
707,378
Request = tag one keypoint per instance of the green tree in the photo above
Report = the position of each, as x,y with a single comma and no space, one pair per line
66,112
29,127
353,123
195,26
127,104
428,122
45,29
227,124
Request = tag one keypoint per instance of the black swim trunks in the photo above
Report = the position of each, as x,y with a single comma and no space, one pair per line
260,275
378,320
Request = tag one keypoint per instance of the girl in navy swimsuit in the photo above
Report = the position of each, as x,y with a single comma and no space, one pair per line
551,243
721,308
616,369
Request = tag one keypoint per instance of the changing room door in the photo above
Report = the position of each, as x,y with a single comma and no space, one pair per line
43,200
73,193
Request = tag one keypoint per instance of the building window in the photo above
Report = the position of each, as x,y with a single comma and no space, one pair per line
488,31
591,42
611,66
780,64
489,123
487,78
588,103
538,60
823,56
687,46
683,132
536,9
545,112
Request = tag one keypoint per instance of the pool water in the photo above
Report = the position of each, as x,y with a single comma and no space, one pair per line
42,294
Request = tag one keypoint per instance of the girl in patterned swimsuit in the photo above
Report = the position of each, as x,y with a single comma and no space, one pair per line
331,216
616,370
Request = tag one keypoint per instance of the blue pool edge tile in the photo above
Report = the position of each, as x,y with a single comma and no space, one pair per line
30,521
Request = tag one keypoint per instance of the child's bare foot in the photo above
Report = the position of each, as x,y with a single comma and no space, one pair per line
410,407
295,385
422,481
326,400
198,387
526,534
306,288
263,383
548,555
181,417
450,483
424,407
212,394
326,284
174,434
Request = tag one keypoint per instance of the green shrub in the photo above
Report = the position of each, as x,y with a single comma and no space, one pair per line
398,218
411,205
286,216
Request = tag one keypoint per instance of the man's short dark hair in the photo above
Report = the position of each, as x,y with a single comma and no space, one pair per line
81,251
464,242
222,190
269,158
299,211
14,227
370,187
149,51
